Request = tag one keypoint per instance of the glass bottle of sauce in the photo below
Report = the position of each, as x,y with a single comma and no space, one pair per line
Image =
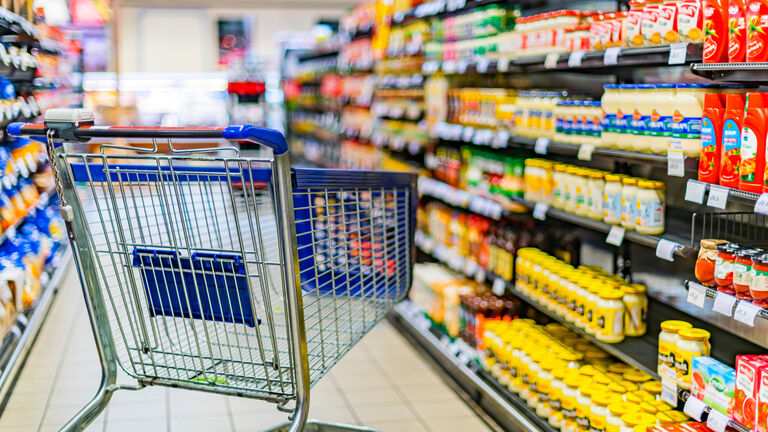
726,255
705,263
742,271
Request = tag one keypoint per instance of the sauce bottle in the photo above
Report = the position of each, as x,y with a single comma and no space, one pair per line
711,137
753,132
715,31
757,26
737,31
731,145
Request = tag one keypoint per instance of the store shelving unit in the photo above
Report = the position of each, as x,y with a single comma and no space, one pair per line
751,73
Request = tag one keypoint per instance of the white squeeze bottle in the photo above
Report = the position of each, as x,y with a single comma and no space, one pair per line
664,102
643,107
610,104
624,116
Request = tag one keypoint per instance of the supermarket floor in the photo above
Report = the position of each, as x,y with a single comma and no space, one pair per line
381,383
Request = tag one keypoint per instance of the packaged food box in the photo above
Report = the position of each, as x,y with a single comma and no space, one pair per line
713,383
761,421
695,427
700,375
742,408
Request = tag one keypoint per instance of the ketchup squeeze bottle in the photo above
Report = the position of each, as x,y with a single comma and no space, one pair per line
737,31
715,31
711,137
753,132
757,26
731,141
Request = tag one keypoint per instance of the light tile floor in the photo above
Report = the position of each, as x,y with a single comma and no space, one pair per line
381,383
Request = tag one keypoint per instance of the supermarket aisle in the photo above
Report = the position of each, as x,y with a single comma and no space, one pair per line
381,383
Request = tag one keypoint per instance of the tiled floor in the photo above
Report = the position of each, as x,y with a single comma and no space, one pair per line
381,383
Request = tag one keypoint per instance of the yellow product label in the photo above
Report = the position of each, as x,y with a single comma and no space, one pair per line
609,322
589,312
582,416
666,355
555,398
634,318
568,406
612,428
683,364
596,423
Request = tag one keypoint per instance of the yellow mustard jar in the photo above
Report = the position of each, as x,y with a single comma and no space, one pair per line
556,388
652,387
599,411
584,403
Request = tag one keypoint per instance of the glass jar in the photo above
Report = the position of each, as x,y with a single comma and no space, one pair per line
572,179
691,343
641,117
726,255
599,411
610,105
633,419
624,116
664,97
650,207
758,288
569,403
636,309
742,271
590,306
612,199
584,403
668,344
652,387
628,202
595,191
610,315
556,389
581,185
705,262
558,185
616,410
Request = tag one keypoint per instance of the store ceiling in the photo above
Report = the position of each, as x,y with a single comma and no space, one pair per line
250,4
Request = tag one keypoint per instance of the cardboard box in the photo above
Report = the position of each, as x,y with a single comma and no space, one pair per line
743,408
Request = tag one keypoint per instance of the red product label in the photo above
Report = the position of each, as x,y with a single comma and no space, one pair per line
715,36
762,400
737,32
757,28
742,407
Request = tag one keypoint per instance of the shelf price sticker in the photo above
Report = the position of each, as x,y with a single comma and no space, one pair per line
746,313
694,408
585,152
541,145
718,196
540,211
550,61
574,60
430,67
480,275
482,65
761,206
615,236
499,286
675,158
503,64
462,66
717,421
449,66
467,133
677,52
470,268
723,303
668,391
697,294
611,56
694,191
665,249
501,140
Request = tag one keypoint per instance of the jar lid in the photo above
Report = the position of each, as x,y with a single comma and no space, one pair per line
561,373
620,368
587,370
611,294
591,388
611,86
629,181
602,379
649,408
614,177
646,396
694,334
621,408
728,247
665,86
638,418
637,377
575,381
634,289
596,174
617,388
653,387
748,252
633,398
711,243
675,325
560,167
603,398
650,184
646,86
629,385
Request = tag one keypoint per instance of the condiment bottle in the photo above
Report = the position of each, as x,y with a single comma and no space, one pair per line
742,271
689,21
705,262
667,344
637,419
711,137
649,208
715,31
758,287
691,343
635,309
609,313
612,199
730,157
724,267
753,135
737,31
628,202
757,26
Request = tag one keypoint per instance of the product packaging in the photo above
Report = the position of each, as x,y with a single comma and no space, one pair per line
742,408
731,142
757,26
711,137
737,31
715,31
713,383
753,133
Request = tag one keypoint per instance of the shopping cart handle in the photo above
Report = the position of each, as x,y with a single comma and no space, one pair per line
269,137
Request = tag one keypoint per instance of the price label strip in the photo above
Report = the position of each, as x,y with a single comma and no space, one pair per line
677,52
675,158
665,249
541,145
503,64
585,152
550,61
611,56
499,286
697,294
574,60
668,391
482,65
718,196
501,140
540,211
615,236
694,408
761,206
717,421
746,312
694,191
723,303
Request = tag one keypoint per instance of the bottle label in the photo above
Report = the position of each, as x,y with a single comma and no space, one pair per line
608,123
742,274
723,268
731,150
708,147
679,126
748,152
622,123
651,213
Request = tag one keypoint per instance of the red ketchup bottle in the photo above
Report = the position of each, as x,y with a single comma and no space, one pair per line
731,140
711,137
715,31
737,31
753,132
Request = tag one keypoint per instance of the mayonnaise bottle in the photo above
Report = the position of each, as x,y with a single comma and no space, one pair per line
641,117
624,115
664,102
686,120
610,104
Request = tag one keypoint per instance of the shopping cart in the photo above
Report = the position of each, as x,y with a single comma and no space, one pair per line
205,270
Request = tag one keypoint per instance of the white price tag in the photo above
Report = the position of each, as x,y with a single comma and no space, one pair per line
675,158
677,53
462,66
502,65
470,267
550,61
611,56
718,196
449,66
717,421
694,191
665,249
615,236
574,60
499,286
694,408
668,373
668,391
482,65
761,206
585,152
541,145
430,67
480,275
540,211
746,313
466,134
723,303
501,140
697,294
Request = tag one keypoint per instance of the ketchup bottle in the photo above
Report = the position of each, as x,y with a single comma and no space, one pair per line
711,137
731,141
753,132
757,26
715,31
737,31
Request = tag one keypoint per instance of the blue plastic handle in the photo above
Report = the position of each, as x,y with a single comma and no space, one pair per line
269,137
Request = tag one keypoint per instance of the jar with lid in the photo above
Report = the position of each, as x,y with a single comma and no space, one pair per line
558,185
616,410
624,116
590,304
610,105
557,385
599,411
641,117
572,181
610,315
742,271
620,368
595,191
635,309
671,416
628,202
582,191
534,369
612,199
569,402
726,255
662,112
705,262
758,287
650,207
689,108
653,387
667,346
633,419
584,403
691,343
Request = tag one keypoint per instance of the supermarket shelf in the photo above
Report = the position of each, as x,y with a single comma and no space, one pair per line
711,292
10,232
683,396
756,73
318,55
456,364
19,340
736,195
640,352
591,60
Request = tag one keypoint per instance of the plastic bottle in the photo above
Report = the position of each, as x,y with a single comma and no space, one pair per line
737,31
731,140
711,137
757,26
753,133
715,31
